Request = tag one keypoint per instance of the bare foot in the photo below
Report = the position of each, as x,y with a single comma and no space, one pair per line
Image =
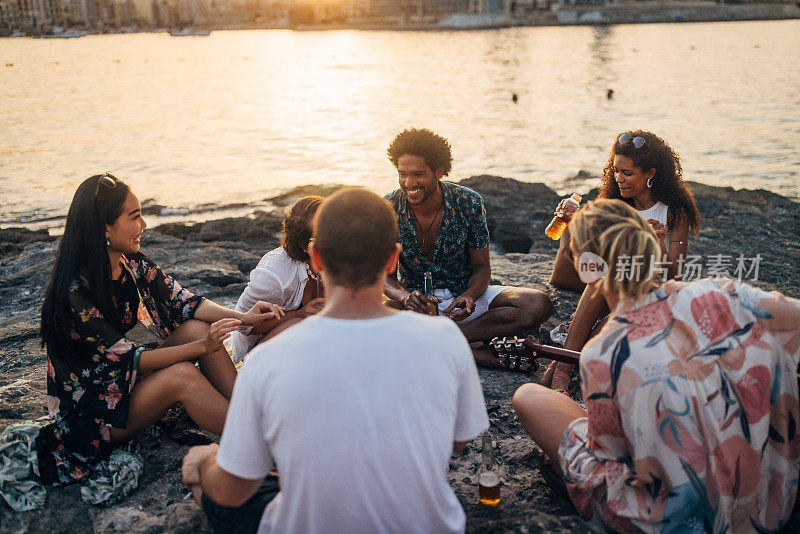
561,380
485,357
547,378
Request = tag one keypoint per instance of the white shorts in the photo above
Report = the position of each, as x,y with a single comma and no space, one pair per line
481,304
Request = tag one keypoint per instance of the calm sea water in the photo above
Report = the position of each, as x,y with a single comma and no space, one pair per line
241,115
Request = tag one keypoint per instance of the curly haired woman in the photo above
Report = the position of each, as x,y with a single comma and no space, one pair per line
645,173
691,419
282,276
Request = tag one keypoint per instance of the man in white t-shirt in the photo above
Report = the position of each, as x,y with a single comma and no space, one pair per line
359,406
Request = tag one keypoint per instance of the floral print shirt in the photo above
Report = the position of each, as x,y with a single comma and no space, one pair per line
462,229
88,389
692,404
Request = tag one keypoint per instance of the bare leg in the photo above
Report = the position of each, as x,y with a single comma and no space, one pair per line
283,325
216,366
514,310
157,391
545,415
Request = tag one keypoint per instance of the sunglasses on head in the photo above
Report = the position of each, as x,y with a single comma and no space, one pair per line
638,141
107,180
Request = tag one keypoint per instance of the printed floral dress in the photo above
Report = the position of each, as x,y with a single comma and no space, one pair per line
88,389
692,402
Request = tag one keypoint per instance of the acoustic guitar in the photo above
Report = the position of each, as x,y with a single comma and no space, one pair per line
519,354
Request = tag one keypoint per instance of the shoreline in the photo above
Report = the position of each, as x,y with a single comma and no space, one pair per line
214,258
578,15
159,214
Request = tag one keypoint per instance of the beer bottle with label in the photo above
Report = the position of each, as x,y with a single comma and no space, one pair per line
559,224
488,476
433,307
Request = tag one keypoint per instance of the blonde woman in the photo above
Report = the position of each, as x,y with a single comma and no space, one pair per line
691,393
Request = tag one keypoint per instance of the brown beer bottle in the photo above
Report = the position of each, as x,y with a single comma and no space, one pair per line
433,307
559,224
488,476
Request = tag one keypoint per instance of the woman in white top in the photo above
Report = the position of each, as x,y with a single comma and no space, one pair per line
644,172
282,277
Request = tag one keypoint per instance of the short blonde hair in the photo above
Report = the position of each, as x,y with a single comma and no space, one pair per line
612,230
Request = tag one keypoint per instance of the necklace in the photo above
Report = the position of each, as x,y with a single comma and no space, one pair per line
424,234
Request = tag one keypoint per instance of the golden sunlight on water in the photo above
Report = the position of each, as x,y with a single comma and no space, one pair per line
240,115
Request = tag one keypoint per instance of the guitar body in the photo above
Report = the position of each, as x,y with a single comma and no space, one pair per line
519,354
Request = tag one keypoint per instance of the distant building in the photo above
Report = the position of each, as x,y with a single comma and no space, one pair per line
8,15
26,14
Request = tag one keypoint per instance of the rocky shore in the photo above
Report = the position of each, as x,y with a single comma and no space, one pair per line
214,258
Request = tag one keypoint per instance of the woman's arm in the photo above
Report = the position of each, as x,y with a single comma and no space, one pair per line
678,243
182,304
590,309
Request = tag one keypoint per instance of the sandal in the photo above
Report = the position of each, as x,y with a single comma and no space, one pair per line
547,377
553,479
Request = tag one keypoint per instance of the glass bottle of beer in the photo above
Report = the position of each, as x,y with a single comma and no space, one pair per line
488,476
559,224
433,308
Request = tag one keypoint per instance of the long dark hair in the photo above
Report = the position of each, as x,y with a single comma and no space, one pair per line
83,252
668,185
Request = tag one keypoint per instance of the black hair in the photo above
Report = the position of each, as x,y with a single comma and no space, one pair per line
668,185
82,251
296,230
433,148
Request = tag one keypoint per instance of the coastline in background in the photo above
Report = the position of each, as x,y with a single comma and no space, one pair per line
199,124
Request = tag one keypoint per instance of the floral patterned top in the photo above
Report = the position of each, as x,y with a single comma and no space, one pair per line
692,404
88,389
462,229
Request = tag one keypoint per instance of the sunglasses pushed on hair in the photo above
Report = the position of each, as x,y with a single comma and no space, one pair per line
106,180
638,141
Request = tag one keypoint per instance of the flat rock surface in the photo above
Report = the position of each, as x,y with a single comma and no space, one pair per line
214,259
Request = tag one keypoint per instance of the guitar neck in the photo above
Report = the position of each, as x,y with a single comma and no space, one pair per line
555,353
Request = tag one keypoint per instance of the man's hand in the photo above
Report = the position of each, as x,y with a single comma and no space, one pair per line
418,302
464,306
192,461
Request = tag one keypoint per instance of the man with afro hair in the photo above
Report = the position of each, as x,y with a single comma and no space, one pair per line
443,231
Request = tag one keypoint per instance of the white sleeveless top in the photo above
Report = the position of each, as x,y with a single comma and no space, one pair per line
658,212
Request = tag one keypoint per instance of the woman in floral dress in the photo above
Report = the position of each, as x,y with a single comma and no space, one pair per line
102,386
691,420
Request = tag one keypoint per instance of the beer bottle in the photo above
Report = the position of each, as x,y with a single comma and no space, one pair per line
559,224
433,308
488,476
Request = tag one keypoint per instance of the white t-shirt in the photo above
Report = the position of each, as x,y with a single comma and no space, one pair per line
360,417
657,211
277,279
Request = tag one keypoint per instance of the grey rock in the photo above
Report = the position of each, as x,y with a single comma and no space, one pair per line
293,195
216,262
14,239
186,517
